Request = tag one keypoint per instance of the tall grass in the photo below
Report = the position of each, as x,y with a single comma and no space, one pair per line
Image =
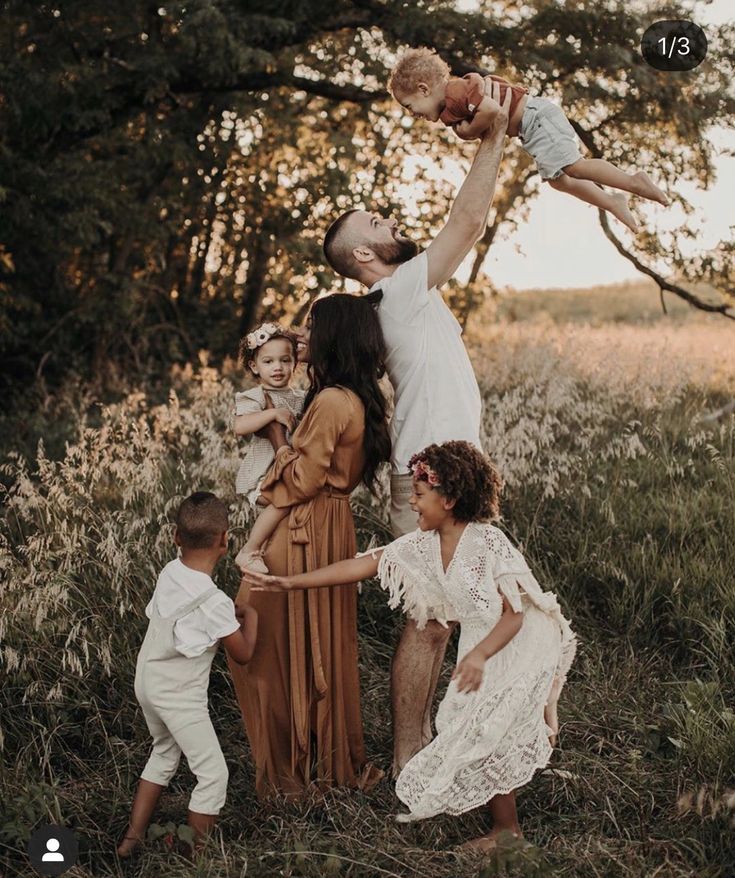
623,498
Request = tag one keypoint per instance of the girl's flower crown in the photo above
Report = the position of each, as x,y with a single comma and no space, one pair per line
265,332
424,473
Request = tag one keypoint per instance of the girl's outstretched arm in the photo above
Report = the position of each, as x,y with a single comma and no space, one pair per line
340,573
469,671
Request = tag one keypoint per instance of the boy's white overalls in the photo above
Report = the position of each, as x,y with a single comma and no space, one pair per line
172,690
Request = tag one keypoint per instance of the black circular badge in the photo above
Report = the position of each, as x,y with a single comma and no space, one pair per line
674,45
53,850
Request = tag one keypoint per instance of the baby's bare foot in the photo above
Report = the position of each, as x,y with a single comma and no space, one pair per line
621,210
648,189
248,560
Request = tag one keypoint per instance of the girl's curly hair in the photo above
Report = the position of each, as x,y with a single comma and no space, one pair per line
464,475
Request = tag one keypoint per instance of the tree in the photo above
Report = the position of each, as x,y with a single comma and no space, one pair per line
167,172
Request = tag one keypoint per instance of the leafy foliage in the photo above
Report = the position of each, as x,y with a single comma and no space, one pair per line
166,172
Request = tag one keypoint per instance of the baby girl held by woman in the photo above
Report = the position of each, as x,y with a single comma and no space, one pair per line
269,351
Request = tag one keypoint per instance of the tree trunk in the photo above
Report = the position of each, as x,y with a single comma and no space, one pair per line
252,289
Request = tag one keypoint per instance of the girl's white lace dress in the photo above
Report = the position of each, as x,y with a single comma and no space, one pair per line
490,741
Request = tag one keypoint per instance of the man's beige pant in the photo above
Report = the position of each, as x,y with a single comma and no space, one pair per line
403,519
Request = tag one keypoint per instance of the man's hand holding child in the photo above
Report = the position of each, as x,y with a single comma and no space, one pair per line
491,116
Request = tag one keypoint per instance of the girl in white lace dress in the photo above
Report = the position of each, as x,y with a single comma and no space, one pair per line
495,722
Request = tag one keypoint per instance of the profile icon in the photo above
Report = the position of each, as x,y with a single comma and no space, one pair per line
53,850
52,854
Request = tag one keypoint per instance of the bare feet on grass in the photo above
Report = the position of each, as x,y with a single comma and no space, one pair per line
486,844
646,188
621,210
130,842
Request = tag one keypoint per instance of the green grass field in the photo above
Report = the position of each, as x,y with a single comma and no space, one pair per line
621,492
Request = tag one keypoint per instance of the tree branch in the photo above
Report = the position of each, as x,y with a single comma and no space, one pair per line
663,284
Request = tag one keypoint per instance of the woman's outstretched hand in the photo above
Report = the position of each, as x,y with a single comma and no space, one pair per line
265,582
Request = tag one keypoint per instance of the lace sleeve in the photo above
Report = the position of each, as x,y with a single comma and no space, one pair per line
513,577
404,577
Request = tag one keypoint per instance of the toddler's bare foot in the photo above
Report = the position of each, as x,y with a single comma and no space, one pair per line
621,210
249,560
129,843
648,189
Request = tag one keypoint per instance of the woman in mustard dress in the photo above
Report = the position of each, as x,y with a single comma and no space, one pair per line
300,693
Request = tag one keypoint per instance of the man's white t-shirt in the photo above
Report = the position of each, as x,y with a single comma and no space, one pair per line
436,394
177,586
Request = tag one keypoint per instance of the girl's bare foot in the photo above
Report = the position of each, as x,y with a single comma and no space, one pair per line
485,844
621,210
129,843
648,189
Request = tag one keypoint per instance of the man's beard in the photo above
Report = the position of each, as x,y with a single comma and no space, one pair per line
396,252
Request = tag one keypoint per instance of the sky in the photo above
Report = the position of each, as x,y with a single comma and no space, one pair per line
562,245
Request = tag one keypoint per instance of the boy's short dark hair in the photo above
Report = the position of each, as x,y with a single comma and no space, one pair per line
201,520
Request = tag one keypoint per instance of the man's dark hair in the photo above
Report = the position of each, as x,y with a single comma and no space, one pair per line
201,520
338,249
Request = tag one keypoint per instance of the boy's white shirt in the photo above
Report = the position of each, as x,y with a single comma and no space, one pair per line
177,586
436,394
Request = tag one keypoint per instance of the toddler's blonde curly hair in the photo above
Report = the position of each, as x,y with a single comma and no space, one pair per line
414,66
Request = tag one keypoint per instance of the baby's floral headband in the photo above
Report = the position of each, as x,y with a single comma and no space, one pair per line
265,332
424,473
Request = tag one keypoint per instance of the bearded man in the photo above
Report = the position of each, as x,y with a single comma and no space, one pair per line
435,390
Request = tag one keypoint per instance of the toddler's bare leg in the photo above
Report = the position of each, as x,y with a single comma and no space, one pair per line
615,203
601,171
263,529
144,804
413,683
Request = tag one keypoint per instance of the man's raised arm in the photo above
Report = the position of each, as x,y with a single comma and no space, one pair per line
468,216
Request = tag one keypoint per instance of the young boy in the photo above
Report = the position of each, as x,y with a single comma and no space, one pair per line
422,84
188,616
